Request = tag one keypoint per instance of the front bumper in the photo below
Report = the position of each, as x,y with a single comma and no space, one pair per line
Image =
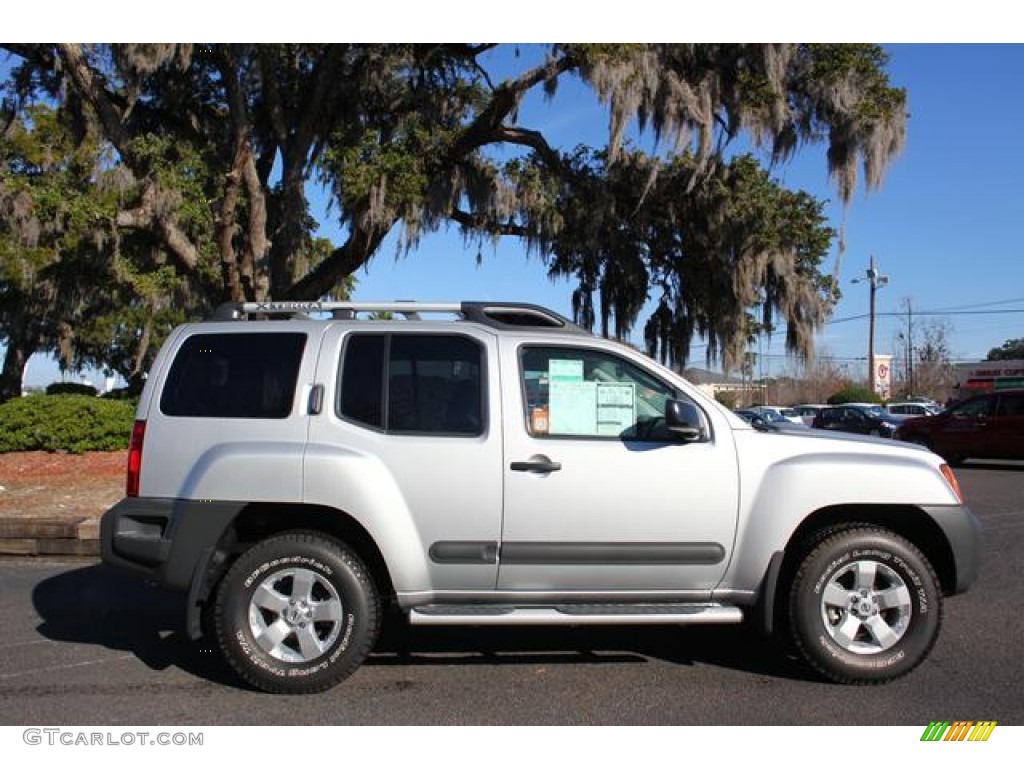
963,534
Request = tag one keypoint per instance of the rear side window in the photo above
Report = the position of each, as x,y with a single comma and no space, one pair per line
1010,405
234,376
413,383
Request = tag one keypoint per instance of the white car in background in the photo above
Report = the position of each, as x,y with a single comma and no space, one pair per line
808,411
914,409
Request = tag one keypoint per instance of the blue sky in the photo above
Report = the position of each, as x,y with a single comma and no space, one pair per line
944,226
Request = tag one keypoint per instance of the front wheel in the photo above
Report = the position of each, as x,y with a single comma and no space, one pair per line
865,606
296,613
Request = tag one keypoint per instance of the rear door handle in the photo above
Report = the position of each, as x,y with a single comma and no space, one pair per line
316,400
535,465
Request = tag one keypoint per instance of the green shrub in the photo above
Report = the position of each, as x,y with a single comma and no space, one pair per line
728,399
70,388
123,393
853,394
72,423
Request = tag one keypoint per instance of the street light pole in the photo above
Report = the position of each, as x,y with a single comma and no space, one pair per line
875,281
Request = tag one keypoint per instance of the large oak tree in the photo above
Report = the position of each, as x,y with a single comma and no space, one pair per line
405,136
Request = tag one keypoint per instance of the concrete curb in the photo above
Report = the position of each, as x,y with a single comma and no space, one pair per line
50,536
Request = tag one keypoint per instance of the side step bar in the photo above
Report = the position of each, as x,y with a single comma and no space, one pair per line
576,614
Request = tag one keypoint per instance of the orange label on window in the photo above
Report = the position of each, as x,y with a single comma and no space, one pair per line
539,420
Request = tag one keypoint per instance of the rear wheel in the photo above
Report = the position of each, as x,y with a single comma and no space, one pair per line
296,613
865,606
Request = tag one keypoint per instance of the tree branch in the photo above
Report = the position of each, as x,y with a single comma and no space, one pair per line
478,222
256,252
362,243
94,93
505,100
527,137
148,217
485,129
275,111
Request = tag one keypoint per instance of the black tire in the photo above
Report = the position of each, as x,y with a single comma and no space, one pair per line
296,613
865,607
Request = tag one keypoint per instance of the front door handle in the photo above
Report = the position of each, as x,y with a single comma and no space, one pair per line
539,464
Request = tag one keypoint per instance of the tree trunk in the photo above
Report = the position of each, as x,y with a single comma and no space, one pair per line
15,359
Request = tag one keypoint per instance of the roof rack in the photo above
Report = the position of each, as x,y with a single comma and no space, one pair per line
494,314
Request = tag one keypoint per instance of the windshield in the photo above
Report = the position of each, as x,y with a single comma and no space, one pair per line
874,410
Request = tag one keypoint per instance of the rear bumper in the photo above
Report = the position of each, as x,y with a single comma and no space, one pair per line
163,540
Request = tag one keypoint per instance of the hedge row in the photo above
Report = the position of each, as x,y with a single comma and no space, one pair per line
71,423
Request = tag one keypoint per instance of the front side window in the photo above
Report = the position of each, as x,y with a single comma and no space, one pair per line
234,376
413,383
981,406
587,393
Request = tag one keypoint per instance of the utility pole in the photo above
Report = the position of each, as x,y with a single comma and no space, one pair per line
910,348
875,281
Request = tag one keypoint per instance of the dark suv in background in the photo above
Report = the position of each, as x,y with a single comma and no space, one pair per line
859,419
989,426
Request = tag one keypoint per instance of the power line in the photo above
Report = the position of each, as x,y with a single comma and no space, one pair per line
932,313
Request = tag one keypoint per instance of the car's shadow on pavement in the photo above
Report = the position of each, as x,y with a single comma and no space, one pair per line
730,647
101,606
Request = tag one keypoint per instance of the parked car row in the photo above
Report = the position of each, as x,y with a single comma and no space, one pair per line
988,426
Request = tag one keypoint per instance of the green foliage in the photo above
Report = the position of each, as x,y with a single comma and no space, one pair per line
835,64
853,394
130,394
728,399
71,423
1012,349
70,388
212,148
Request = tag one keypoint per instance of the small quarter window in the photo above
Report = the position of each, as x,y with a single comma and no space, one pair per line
362,380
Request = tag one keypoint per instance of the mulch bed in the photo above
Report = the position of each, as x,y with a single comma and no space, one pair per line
56,485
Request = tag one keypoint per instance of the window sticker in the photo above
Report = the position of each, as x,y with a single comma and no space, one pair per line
565,370
616,410
572,407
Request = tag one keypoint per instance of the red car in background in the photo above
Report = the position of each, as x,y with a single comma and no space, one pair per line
989,426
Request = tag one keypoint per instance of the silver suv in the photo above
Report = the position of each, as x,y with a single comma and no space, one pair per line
295,468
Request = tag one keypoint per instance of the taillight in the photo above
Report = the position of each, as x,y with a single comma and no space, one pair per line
951,479
135,458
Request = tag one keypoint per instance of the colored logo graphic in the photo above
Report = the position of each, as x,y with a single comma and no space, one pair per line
959,730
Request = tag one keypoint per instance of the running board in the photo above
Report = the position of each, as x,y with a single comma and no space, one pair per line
577,614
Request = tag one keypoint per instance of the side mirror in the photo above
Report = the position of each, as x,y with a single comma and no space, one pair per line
685,420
